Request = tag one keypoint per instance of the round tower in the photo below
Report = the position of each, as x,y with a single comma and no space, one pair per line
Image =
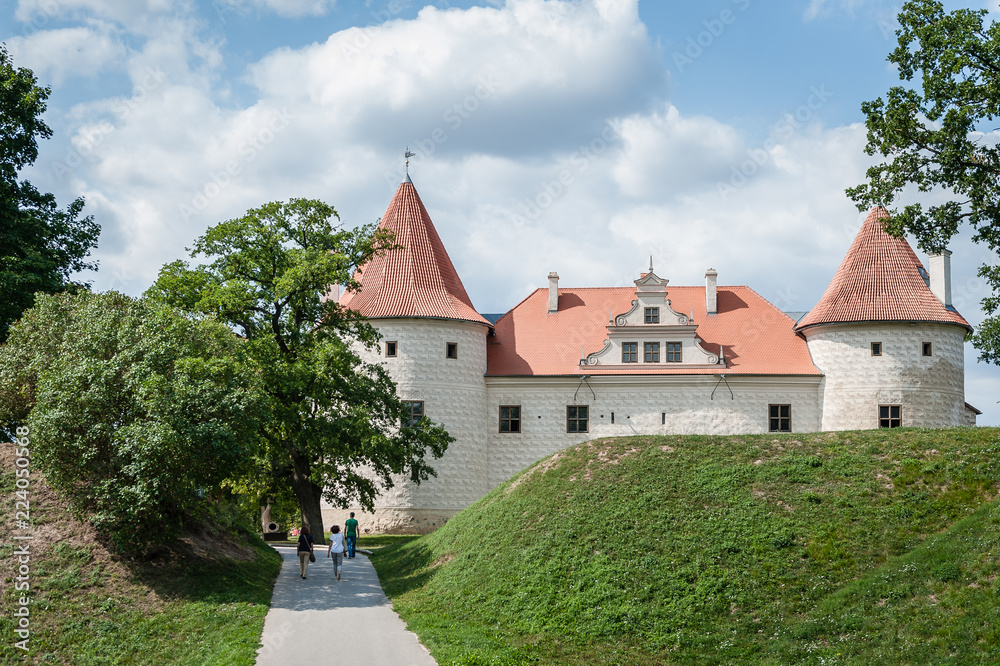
434,347
891,349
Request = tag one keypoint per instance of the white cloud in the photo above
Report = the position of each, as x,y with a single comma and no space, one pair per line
55,55
286,8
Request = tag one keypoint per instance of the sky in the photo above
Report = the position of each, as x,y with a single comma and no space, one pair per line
577,136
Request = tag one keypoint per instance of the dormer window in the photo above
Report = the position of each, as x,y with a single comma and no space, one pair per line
652,315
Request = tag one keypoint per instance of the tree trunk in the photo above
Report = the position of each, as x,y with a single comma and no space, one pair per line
308,494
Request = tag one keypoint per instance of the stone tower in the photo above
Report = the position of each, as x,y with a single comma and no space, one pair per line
887,338
434,347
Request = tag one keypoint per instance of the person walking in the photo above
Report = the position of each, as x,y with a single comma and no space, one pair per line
351,534
305,551
336,549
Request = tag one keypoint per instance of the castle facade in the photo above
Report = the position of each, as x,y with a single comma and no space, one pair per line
882,348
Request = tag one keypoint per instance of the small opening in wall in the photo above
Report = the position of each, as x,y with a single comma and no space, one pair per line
452,351
390,349
876,349
663,418
927,349
612,417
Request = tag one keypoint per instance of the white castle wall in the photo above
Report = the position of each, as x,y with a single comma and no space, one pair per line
930,389
454,396
639,404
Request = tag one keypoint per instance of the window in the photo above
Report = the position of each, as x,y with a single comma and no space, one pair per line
890,416
673,352
652,315
576,418
927,349
390,349
876,349
416,408
510,418
651,352
452,350
630,352
780,418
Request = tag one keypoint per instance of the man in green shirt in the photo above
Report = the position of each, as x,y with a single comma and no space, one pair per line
351,534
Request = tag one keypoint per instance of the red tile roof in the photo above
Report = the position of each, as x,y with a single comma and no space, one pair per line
417,280
757,337
879,281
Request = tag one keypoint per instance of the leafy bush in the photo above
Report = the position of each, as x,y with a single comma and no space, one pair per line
133,410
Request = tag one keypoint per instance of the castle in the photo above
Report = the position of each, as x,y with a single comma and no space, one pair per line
882,348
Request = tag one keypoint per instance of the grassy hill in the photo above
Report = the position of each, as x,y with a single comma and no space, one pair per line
877,547
202,600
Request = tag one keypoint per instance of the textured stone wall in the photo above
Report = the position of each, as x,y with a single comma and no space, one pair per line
454,396
930,389
639,405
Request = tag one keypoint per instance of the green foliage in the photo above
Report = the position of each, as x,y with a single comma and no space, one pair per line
934,138
40,245
132,408
854,547
333,425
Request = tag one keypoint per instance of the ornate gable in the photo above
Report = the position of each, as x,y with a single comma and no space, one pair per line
651,333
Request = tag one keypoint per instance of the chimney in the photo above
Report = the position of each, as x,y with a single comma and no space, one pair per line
553,292
940,271
711,297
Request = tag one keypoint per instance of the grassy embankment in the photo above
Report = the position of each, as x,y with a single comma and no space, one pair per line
878,547
200,601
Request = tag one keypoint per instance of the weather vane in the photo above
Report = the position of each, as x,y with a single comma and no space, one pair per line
408,155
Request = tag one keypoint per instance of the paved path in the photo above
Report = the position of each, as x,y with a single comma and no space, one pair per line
334,622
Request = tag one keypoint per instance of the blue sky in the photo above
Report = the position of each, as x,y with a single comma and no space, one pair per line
580,136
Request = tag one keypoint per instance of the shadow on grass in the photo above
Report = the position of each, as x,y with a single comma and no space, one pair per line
405,566
179,573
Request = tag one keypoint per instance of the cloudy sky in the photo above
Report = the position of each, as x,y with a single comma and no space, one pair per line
581,136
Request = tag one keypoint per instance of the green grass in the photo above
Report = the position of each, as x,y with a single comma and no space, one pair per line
88,607
870,547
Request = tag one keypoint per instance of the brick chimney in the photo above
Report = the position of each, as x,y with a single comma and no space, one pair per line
711,291
553,292
940,272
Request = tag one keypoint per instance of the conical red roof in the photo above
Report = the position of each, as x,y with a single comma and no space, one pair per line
879,280
417,280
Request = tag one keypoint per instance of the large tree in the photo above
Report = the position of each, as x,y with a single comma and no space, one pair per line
41,246
337,428
940,137
131,408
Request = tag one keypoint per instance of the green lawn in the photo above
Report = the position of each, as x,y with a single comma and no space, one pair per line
89,607
877,547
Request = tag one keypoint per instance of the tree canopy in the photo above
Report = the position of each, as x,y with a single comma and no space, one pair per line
941,139
133,408
334,425
41,246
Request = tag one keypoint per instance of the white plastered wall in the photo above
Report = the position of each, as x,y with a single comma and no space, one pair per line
642,406
930,389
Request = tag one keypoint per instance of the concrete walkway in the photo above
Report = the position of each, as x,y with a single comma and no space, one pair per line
321,620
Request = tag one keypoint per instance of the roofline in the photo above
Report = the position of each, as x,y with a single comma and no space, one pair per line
799,329
470,321
591,375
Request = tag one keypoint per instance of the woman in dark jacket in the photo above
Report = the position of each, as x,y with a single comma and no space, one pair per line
305,550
